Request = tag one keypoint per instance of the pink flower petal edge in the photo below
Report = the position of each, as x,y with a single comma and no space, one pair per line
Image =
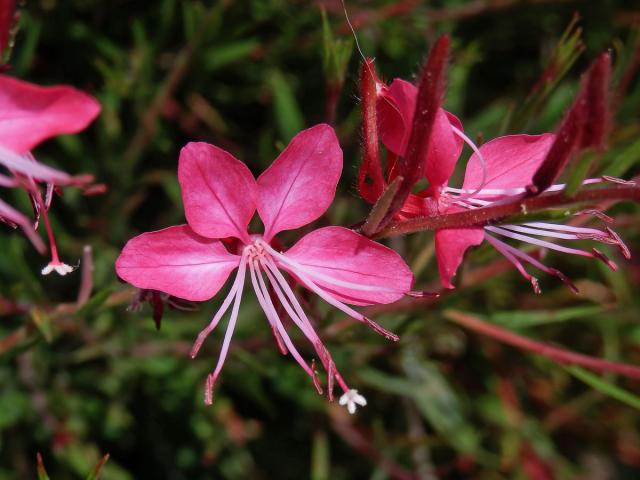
510,161
176,261
396,108
451,245
32,114
218,191
339,254
300,184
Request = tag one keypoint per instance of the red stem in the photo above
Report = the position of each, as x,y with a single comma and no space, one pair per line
370,179
518,205
559,355
431,86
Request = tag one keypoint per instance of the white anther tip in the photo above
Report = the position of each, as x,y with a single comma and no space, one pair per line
352,399
60,268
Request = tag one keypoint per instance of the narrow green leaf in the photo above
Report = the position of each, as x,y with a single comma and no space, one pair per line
42,472
523,319
320,464
219,56
605,387
286,110
580,168
94,303
43,322
624,161
95,474
439,404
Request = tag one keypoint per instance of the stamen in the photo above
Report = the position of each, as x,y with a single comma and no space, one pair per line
7,181
202,336
279,283
264,299
626,253
336,303
274,328
596,213
517,190
208,389
328,279
211,379
561,227
422,294
607,261
298,316
352,399
27,166
498,245
617,180
483,163
540,232
541,243
528,258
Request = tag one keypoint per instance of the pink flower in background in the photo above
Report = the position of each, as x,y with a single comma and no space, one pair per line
29,115
220,197
499,169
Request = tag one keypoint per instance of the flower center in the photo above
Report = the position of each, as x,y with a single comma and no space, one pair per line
256,250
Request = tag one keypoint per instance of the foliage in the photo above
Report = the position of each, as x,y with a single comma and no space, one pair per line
82,379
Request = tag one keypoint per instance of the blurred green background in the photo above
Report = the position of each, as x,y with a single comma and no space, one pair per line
247,75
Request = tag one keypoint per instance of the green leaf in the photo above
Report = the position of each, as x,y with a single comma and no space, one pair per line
624,161
287,113
605,387
335,54
43,322
435,399
523,318
439,404
579,169
219,56
95,474
94,303
320,463
42,473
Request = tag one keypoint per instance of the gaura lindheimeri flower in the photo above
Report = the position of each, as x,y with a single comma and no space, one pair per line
220,196
499,169
30,115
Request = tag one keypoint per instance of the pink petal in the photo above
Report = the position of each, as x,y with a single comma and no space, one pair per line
511,161
396,107
346,256
444,149
300,184
218,191
176,261
451,245
32,114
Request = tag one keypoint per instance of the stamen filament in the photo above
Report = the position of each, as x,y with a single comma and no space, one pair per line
202,336
228,334
535,241
262,294
543,233
280,284
476,150
309,283
328,279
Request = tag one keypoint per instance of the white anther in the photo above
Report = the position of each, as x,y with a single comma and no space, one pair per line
60,268
352,399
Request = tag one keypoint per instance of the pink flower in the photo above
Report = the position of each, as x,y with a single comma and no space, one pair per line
30,115
499,169
220,197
